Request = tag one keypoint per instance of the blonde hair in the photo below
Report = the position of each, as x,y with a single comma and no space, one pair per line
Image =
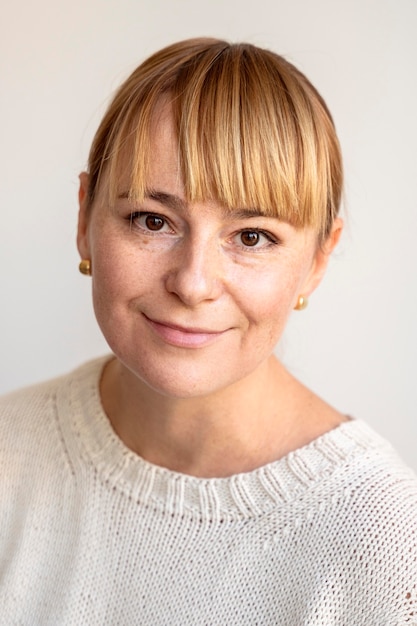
252,132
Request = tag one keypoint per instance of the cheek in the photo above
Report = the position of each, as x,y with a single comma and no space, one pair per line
111,279
268,294
115,268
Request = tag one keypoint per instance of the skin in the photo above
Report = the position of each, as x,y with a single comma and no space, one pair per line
192,311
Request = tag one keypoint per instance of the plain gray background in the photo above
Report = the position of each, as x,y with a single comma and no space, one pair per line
356,343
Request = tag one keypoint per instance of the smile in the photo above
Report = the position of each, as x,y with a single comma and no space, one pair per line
183,337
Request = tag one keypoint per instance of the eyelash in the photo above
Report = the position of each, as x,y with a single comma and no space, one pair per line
271,240
137,214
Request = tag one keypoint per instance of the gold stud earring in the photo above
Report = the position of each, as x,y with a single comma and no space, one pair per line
85,267
302,303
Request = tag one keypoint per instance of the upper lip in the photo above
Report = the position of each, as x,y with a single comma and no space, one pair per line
186,329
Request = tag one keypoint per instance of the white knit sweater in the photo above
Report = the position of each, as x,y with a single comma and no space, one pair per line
91,534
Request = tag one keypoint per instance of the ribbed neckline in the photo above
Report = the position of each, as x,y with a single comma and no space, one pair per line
242,496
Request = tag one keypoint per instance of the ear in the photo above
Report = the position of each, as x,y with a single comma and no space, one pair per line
322,257
83,218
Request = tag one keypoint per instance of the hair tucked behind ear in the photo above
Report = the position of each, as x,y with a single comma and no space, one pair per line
252,132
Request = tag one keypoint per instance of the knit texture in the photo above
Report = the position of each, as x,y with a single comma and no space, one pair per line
91,534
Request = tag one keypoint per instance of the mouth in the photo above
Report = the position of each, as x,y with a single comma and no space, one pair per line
183,337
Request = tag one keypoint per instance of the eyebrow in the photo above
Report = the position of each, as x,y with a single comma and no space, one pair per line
176,203
166,199
245,213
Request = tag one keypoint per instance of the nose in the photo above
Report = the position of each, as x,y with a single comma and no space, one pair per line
195,275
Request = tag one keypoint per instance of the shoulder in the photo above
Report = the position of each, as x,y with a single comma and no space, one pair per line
373,487
37,400
30,448
376,477
347,529
29,430
31,420
381,503
22,411
369,526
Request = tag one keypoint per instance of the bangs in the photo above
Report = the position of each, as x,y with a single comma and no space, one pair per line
252,133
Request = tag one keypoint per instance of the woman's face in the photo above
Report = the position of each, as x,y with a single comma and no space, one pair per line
190,298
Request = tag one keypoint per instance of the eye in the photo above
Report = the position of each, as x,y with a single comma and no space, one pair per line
250,237
153,222
255,239
149,221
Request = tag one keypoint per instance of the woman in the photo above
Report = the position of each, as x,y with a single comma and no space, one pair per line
189,478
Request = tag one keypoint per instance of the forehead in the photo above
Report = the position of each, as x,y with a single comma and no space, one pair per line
160,158
164,157
163,163
200,163
164,182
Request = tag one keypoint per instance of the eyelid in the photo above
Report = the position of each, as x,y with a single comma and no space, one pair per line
134,215
271,227
271,240
261,231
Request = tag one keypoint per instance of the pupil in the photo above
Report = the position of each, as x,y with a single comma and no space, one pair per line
154,223
250,238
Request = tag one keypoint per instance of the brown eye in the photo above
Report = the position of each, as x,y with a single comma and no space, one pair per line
153,222
249,237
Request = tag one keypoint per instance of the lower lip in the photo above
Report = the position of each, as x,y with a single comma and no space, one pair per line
182,338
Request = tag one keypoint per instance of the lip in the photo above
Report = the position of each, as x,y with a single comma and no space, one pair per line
183,337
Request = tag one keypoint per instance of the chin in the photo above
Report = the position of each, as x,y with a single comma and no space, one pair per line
180,380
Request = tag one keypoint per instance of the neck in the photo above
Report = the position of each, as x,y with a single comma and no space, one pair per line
251,423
